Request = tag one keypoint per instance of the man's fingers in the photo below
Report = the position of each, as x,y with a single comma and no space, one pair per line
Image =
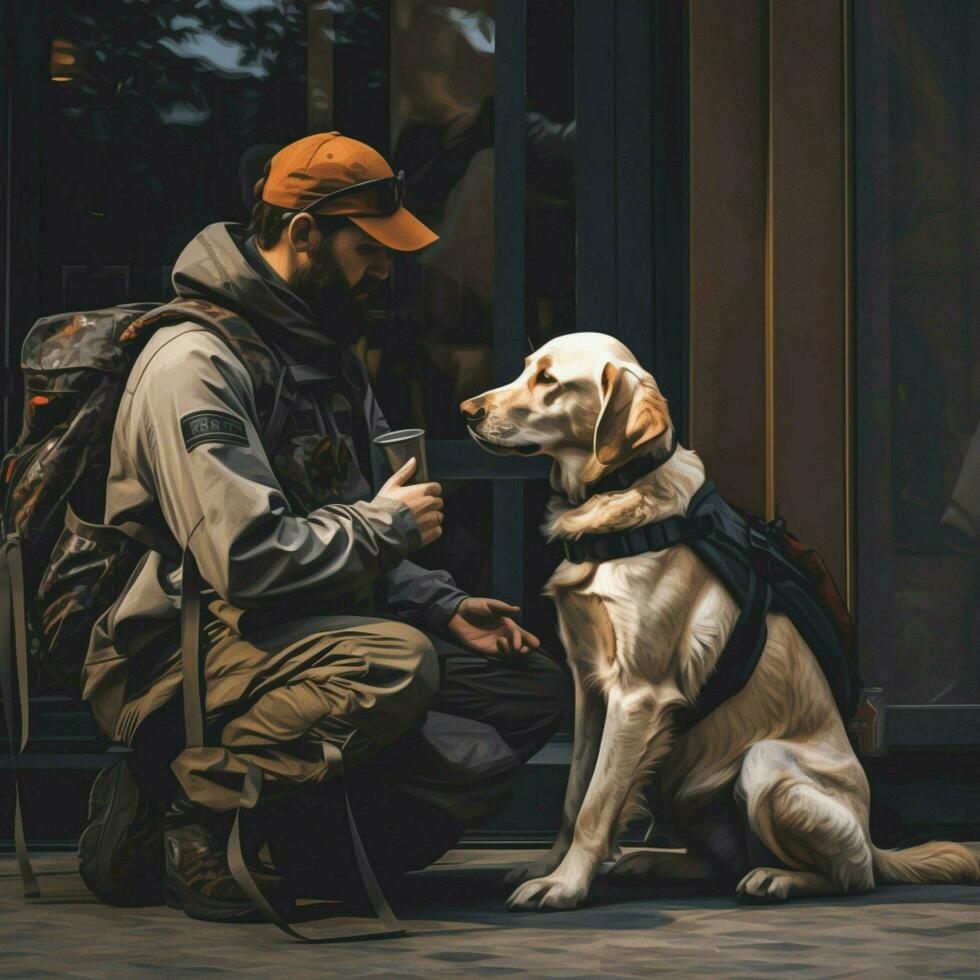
432,534
530,639
502,608
398,478
429,522
431,504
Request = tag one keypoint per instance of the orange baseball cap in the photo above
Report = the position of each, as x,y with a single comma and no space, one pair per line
330,174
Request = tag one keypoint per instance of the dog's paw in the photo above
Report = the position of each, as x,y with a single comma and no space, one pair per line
765,885
533,869
548,893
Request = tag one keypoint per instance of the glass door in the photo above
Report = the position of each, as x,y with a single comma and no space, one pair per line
541,234
918,351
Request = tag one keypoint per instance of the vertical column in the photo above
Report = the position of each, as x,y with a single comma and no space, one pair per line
670,206
727,206
509,275
875,583
596,257
808,275
26,75
6,189
633,175
319,67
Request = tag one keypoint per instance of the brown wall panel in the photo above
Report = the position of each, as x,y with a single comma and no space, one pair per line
727,226
808,274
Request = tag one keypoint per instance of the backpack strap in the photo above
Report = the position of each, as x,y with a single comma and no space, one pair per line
13,645
251,790
264,366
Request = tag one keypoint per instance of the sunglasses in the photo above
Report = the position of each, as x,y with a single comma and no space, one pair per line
377,198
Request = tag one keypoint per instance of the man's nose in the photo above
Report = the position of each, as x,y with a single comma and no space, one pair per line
472,411
382,267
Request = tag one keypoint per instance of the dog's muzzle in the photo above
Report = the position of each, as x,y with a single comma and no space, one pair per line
499,448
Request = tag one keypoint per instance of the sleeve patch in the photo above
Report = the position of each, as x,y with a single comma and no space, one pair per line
200,427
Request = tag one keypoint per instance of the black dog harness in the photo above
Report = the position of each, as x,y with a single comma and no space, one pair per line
742,550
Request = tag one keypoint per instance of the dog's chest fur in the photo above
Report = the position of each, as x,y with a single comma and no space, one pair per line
657,618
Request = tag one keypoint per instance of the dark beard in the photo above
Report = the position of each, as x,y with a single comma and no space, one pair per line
335,311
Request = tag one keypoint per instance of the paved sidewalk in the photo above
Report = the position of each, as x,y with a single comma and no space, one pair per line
459,927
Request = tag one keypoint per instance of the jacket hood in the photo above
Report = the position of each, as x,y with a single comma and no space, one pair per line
213,266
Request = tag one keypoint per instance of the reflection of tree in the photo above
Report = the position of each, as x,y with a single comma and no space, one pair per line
161,90
138,58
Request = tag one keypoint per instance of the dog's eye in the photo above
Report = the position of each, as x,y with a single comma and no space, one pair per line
544,378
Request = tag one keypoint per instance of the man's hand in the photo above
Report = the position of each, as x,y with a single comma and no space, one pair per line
485,625
422,499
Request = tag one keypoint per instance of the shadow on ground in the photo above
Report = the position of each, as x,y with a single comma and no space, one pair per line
458,926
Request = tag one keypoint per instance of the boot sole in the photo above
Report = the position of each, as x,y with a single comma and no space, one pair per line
109,834
178,896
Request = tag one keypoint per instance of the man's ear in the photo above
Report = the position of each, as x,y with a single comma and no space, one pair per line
300,233
633,413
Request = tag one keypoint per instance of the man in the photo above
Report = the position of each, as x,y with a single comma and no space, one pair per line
319,630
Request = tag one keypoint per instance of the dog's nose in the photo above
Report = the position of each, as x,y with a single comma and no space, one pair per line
472,412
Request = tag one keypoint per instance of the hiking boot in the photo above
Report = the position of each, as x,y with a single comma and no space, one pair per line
120,852
199,881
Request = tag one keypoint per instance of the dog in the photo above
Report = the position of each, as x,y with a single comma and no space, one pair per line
765,792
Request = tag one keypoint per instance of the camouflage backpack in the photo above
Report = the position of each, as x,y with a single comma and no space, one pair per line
75,367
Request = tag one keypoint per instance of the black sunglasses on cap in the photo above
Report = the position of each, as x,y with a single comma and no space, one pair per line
380,197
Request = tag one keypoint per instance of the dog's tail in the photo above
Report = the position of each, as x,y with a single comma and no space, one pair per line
939,862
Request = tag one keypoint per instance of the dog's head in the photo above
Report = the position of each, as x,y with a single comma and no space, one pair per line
582,399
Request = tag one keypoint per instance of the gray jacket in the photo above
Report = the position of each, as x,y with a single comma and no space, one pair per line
275,530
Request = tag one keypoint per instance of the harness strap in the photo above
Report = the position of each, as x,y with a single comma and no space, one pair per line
741,653
737,660
251,790
637,540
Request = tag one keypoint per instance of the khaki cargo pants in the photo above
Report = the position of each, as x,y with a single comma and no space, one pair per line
356,683
276,691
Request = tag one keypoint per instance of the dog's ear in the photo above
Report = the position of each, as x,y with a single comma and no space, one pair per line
633,413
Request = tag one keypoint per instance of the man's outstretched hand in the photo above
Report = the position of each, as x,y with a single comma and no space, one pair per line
485,625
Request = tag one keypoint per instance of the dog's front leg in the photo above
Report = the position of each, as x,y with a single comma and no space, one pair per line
635,736
589,710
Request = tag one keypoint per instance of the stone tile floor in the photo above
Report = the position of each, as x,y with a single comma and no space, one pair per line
459,927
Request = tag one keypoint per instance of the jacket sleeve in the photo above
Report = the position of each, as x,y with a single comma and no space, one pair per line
426,599
193,433
419,596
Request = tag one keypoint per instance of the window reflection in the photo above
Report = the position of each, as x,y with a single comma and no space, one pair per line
434,346
180,90
918,498
431,346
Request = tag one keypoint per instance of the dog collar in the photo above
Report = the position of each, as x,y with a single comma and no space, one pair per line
632,471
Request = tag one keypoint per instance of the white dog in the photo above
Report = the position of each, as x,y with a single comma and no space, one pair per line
765,791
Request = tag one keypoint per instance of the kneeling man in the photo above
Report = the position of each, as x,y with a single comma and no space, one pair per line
317,629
